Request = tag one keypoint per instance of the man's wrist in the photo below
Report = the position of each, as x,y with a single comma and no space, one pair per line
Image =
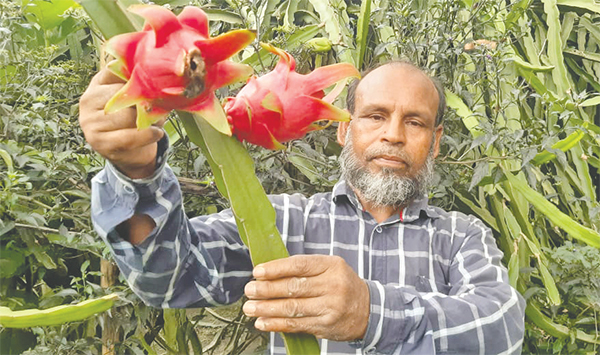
147,173
136,173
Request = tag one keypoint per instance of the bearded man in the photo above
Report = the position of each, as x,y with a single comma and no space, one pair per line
374,268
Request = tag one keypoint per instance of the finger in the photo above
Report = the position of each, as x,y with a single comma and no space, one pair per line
284,308
125,118
96,96
106,77
285,288
288,325
297,265
128,139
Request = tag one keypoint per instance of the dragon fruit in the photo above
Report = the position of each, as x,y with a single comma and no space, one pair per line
173,63
283,105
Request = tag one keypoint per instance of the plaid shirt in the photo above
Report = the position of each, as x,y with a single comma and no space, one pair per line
435,278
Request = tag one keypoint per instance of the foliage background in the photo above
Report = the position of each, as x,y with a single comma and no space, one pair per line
522,136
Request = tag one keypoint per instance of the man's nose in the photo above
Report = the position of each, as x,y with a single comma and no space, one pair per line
393,132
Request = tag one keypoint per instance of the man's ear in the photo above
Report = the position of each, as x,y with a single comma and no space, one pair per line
341,132
439,132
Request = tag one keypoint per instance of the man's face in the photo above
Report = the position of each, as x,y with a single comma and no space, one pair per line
393,137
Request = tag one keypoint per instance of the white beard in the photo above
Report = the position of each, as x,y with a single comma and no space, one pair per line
385,188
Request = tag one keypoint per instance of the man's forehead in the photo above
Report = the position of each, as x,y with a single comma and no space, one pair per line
390,72
401,78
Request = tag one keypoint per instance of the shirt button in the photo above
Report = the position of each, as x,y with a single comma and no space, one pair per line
128,189
378,229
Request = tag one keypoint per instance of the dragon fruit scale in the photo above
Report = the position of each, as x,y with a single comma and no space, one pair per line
283,105
173,63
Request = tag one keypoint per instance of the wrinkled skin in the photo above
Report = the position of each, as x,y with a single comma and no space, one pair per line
314,294
174,64
283,105
393,125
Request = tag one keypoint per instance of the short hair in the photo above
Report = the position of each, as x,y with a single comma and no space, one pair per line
439,117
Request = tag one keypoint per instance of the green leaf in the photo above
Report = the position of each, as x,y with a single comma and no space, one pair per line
290,12
585,184
7,160
555,46
6,73
482,213
75,50
512,224
582,73
582,54
335,17
468,118
300,36
327,15
526,65
110,17
594,101
173,134
550,284
590,5
564,145
306,167
265,12
513,269
547,279
574,229
362,31
482,169
517,10
496,207
48,14
174,329
587,125
591,27
56,315
536,83
593,161
11,262
223,16
44,259
557,330
16,341
173,3
6,227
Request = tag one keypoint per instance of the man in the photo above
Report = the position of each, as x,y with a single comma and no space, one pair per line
375,268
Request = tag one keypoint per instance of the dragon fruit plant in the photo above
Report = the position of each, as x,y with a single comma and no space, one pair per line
174,64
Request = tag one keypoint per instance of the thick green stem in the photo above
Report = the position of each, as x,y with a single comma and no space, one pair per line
255,216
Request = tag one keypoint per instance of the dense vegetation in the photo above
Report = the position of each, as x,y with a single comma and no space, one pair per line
521,151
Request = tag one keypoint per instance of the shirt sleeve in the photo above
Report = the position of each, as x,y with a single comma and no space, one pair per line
478,312
184,262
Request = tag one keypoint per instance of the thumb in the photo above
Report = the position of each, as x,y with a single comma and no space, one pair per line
157,132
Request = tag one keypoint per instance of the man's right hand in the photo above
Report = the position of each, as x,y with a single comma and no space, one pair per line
115,136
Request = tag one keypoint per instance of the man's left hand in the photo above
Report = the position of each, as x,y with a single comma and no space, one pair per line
315,294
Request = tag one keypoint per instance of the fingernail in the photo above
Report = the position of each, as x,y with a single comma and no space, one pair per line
249,308
250,289
259,271
259,324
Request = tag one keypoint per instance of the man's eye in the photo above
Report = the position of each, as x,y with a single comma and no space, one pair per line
415,123
376,117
